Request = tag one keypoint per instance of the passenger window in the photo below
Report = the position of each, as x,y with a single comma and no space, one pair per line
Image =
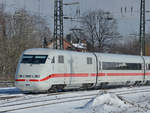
121,66
53,60
60,59
99,65
148,66
89,60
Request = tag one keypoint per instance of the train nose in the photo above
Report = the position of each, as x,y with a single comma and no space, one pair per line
32,86
25,86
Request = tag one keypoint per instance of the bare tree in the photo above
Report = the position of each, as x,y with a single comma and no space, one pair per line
128,45
2,21
21,32
101,28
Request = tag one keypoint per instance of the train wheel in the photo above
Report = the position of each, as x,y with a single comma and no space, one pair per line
53,89
56,88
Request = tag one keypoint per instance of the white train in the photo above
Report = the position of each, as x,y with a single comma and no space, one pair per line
47,69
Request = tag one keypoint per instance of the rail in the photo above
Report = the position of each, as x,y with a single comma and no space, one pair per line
6,84
57,100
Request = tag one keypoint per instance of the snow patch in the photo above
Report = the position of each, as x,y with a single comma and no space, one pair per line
106,103
108,99
80,45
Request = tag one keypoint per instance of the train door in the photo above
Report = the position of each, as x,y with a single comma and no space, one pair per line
60,69
69,67
147,69
65,69
52,62
147,66
101,76
97,69
144,69
100,71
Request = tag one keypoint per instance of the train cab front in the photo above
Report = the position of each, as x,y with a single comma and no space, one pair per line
31,69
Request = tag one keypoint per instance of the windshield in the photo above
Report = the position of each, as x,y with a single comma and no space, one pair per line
35,59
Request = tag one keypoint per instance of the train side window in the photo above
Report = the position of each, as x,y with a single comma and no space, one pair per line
89,60
121,66
109,66
134,66
53,60
148,66
99,65
60,59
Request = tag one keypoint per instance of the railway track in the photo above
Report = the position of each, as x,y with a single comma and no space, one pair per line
45,100
32,97
58,98
6,84
9,99
131,91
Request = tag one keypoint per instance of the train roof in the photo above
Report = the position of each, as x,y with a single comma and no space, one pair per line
147,59
104,56
48,51
120,58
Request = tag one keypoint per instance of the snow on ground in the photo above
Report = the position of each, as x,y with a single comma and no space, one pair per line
104,102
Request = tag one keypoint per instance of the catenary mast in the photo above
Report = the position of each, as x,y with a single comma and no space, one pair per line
142,28
58,24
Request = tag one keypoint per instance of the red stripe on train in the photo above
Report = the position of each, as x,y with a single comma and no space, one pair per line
83,75
124,74
20,79
59,75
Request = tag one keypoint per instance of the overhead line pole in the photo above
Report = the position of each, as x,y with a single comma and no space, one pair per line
142,28
58,24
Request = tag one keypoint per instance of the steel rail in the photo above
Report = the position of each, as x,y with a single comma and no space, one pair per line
71,99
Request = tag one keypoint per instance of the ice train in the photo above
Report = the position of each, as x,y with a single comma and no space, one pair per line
41,70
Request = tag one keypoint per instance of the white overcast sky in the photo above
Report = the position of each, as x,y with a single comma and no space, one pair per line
127,23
